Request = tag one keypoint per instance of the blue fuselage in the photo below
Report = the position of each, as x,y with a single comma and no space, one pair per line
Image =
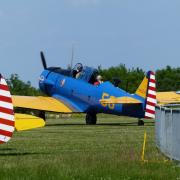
82,96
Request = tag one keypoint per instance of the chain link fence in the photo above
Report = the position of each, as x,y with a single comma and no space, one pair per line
167,129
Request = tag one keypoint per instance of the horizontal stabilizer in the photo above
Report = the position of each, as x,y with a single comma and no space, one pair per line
120,100
26,122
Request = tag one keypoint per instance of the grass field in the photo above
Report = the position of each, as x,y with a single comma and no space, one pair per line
68,149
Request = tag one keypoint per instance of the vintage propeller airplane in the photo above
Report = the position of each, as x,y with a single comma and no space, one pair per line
74,91
71,94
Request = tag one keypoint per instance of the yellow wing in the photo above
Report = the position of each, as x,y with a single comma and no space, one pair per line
168,97
25,122
41,103
120,100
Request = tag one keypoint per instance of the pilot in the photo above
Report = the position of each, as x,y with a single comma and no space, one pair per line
79,71
99,80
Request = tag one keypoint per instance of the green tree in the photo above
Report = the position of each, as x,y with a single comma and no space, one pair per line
130,78
168,79
18,87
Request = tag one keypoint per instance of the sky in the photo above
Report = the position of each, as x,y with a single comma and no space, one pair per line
137,33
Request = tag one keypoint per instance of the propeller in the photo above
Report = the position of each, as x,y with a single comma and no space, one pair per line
43,60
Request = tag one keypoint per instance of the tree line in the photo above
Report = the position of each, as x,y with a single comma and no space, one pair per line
19,87
168,79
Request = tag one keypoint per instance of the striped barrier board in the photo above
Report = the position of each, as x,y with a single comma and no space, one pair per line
151,97
7,120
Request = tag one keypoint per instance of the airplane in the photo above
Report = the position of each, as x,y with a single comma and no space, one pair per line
80,95
68,93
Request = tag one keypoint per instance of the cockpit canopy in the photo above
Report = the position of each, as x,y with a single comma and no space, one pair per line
87,74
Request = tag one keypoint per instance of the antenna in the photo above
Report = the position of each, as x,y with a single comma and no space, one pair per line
72,56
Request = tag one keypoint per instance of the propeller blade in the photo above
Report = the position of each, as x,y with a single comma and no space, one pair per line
43,60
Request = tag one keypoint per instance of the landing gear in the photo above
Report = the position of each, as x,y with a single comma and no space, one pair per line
42,115
91,118
140,122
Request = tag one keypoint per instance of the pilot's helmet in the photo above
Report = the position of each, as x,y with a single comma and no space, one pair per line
99,78
79,67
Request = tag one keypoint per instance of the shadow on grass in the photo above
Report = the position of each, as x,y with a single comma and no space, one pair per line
125,124
21,153
7,149
102,124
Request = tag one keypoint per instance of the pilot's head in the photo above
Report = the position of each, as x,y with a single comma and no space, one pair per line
99,78
79,68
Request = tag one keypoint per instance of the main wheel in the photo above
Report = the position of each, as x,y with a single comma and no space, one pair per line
42,115
140,122
91,119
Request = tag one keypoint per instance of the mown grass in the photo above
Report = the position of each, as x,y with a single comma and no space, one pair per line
68,149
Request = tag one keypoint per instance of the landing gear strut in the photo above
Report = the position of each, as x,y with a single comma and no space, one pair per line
140,122
91,118
42,115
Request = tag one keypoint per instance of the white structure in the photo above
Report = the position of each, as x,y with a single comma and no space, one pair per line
167,128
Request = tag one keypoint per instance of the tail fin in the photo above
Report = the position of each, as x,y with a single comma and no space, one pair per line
6,112
147,91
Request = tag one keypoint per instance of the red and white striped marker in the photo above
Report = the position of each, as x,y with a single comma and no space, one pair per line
7,121
151,97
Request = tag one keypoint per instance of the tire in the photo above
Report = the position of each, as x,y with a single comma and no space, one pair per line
140,122
42,115
91,119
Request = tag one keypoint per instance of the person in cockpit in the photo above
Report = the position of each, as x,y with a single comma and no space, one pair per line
77,70
99,80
